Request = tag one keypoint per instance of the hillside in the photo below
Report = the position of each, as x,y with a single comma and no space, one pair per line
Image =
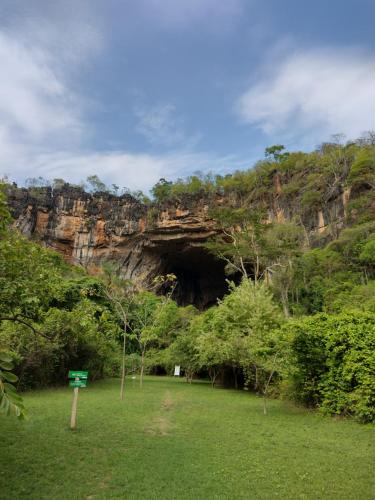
322,193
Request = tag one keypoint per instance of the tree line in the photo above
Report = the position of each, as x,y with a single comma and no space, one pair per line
297,320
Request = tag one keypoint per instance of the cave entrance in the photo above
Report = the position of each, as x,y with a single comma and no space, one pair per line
200,275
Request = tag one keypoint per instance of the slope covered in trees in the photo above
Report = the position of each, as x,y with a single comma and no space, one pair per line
298,318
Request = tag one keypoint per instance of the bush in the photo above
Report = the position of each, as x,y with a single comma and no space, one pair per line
334,363
362,171
84,338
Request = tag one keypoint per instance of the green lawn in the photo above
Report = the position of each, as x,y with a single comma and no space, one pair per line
172,440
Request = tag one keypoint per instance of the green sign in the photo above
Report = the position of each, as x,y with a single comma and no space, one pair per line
78,383
78,374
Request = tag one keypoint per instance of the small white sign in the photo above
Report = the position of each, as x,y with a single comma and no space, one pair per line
177,371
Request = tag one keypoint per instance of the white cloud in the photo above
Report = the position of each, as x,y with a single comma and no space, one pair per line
313,94
131,170
34,102
44,128
161,125
42,47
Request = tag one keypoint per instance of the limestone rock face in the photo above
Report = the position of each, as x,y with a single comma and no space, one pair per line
88,229
147,241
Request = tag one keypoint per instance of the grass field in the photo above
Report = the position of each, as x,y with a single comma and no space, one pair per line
173,440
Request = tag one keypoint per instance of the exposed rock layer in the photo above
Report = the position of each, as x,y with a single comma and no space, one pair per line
148,241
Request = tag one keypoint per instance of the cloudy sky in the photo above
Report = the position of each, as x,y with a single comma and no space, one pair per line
137,90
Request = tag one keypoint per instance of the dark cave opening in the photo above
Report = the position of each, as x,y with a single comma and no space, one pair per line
201,278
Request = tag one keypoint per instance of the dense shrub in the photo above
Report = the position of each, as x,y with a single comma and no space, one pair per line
83,338
334,363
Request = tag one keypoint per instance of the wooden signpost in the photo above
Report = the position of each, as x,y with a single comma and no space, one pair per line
77,379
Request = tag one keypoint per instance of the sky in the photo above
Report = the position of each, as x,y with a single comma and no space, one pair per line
136,90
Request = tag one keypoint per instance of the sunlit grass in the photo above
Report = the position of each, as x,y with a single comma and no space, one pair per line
173,440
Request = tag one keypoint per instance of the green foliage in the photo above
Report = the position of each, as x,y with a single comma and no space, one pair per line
334,363
195,185
81,338
29,275
367,255
360,208
310,178
184,349
152,216
362,171
95,184
162,190
276,153
10,402
311,199
349,297
242,243
4,211
51,318
238,333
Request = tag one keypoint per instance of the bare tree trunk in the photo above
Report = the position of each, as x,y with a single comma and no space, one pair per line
244,272
142,369
189,376
257,268
123,371
366,276
284,299
235,377
213,374
256,378
265,391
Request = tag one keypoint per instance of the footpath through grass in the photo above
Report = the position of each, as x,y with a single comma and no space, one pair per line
172,440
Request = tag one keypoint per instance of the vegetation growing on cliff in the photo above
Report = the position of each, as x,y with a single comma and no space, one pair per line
305,181
298,317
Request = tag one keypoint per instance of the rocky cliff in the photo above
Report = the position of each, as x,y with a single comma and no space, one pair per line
148,241
88,229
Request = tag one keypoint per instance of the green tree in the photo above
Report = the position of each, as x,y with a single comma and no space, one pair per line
96,185
362,171
120,294
250,316
283,247
333,360
276,153
4,211
184,349
162,190
29,276
154,320
241,243
233,331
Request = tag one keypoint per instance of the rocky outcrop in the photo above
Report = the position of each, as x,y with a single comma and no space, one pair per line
146,241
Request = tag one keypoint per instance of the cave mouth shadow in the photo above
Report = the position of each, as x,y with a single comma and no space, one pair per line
201,278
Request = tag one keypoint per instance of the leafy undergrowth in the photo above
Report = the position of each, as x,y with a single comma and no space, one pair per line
173,440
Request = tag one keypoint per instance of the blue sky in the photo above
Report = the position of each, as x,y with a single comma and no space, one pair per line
137,90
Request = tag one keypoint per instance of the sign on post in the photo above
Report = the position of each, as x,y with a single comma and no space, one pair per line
78,378
78,374
78,383
177,371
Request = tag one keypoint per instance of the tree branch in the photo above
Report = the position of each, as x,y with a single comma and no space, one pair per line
17,319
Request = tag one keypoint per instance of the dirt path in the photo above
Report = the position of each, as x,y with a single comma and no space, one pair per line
160,424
